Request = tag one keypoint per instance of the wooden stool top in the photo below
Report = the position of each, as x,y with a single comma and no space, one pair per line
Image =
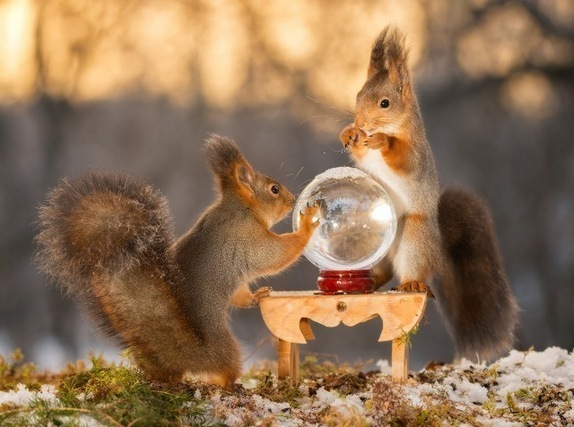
287,313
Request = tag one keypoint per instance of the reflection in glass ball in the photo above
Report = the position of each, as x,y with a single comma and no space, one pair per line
357,222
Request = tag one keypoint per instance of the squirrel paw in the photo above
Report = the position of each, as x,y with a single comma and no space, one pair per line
309,218
350,136
414,286
376,141
260,293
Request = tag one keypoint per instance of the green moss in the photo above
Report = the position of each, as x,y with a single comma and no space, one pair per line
14,370
114,395
124,395
406,338
278,390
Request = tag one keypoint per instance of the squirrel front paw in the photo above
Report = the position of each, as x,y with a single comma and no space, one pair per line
309,218
351,136
376,141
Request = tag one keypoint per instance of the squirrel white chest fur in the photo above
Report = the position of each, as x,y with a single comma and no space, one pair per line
396,186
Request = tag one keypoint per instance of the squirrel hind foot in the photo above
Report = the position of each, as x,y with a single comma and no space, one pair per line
164,375
414,286
220,379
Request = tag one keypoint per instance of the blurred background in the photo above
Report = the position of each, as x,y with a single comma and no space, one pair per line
137,85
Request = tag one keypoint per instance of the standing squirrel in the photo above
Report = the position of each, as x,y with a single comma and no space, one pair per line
107,240
448,236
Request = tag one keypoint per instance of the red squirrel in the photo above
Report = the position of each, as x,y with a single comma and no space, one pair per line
446,235
107,239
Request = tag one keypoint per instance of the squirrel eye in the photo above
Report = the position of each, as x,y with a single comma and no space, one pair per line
385,103
275,189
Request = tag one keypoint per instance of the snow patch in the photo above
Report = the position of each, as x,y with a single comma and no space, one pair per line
23,397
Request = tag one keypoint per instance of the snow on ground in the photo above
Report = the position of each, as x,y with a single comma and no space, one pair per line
22,396
523,388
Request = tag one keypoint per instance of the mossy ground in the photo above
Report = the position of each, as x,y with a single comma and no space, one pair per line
112,394
102,393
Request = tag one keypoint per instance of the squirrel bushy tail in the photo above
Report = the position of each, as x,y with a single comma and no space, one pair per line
106,239
102,223
473,291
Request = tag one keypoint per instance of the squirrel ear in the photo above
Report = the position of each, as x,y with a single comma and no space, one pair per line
245,175
378,54
390,54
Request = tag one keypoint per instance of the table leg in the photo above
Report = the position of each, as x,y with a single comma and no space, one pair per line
283,359
295,362
288,361
400,360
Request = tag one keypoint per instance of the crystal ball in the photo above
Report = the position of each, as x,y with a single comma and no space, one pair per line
357,220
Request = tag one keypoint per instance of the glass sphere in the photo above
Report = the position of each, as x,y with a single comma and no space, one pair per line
357,220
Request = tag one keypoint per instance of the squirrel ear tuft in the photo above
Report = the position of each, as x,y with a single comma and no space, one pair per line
222,154
228,164
390,54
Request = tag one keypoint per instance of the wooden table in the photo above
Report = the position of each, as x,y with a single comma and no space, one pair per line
287,315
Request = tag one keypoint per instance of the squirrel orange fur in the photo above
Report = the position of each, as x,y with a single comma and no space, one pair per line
446,235
107,240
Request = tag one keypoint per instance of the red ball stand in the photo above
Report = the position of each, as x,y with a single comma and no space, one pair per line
347,281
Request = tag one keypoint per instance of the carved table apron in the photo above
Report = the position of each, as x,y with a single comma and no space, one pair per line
287,316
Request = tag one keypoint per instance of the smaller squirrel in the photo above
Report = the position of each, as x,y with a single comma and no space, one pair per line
107,239
446,235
